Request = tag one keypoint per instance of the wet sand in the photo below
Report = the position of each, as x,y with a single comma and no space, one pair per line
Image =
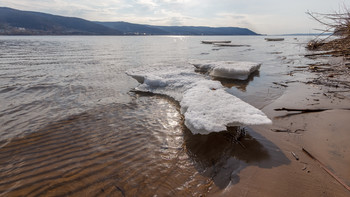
324,134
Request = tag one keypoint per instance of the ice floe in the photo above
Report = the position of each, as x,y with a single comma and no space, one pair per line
205,104
207,107
215,41
226,69
230,45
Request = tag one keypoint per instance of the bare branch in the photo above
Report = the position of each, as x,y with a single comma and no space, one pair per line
337,23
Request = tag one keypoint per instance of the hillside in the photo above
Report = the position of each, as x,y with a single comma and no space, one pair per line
130,29
134,29
17,22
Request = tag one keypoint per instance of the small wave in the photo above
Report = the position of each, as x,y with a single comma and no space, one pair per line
6,89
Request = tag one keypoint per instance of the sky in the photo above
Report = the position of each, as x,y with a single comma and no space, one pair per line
261,16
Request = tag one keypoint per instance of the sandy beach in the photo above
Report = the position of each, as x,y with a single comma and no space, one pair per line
324,134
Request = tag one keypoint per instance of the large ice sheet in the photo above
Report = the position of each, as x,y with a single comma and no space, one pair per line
205,104
227,69
207,107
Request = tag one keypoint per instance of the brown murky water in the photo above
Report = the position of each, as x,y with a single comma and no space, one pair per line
135,149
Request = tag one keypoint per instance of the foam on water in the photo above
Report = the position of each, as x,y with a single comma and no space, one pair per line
227,69
205,104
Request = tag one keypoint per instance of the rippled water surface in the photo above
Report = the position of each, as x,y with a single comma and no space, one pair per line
70,124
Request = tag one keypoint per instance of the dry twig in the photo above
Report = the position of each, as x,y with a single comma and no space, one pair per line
338,24
326,169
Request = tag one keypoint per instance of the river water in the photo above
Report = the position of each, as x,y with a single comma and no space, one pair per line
70,123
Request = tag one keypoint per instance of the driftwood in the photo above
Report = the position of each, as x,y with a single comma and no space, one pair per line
286,130
306,110
300,110
338,91
326,169
316,54
280,84
281,130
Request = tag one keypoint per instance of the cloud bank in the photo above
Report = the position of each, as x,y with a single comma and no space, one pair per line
261,16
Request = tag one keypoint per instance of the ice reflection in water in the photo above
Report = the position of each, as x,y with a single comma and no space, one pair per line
239,84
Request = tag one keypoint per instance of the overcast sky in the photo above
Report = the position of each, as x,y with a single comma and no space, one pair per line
261,16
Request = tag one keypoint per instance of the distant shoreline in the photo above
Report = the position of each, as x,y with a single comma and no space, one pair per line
18,22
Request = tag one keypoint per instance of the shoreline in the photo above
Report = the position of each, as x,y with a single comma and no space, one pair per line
325,134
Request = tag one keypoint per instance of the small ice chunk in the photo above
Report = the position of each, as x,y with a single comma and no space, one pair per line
215,41
207,108
227,69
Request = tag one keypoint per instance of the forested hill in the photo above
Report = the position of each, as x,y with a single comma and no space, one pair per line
35,23
129,28
17,22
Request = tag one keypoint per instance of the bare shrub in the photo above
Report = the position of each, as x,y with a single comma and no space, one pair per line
338,24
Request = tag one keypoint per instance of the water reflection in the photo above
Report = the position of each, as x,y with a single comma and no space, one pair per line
239,84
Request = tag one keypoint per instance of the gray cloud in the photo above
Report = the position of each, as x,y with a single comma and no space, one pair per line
266,16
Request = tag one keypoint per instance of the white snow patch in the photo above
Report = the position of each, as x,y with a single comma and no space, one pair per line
226,69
